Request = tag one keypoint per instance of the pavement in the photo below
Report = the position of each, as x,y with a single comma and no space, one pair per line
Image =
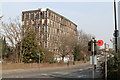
40,69
83,70
46,69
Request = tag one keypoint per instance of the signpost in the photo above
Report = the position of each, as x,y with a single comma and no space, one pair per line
39,58
106,49
95,60
100,42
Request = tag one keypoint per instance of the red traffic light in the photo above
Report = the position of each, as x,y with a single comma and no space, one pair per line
100,42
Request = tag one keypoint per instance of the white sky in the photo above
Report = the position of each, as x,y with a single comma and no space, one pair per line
96,18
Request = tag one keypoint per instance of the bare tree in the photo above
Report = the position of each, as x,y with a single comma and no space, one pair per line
83,39
12,31
66,44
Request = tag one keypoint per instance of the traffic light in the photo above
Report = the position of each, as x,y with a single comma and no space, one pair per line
95,47
95,52
89,45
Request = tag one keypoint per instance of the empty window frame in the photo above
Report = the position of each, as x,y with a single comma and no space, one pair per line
26,16
41,14
30,15
45,14
48,37
48,22
43,22
57,30
35,16
45,28
38,22
39,30
33,22
54,24
35,29
27,23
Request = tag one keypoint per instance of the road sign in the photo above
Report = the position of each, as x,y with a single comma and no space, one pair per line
100,42
91,60
39,57
95,60
98,55
38,53
106,47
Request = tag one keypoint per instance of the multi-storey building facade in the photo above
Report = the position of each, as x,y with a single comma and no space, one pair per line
48,25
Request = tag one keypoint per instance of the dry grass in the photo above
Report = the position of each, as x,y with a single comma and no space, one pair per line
8,66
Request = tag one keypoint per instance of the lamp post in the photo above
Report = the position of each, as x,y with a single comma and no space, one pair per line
115,31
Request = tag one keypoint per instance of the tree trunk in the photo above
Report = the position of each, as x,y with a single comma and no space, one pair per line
21,52
63,58
17,59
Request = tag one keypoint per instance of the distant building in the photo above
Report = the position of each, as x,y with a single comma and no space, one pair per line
48,25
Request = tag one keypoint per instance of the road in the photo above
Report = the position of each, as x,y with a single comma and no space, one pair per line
82,71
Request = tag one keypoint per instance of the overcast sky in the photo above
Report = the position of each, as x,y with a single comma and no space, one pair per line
94,18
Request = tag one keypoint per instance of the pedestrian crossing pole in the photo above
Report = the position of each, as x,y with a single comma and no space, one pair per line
91,47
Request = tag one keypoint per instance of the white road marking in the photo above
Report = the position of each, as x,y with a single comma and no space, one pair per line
44,74
56,72
81,76
97,71
81,69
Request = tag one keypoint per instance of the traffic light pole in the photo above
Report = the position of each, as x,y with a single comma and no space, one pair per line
91,47
93,40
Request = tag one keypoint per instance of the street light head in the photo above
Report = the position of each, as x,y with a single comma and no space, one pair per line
93,38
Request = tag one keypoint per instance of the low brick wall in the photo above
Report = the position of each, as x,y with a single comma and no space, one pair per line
33,65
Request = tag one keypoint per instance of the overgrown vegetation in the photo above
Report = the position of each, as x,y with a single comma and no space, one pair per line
30,48
113,67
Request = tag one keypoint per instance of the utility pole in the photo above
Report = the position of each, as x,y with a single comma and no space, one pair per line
116,33
106,49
